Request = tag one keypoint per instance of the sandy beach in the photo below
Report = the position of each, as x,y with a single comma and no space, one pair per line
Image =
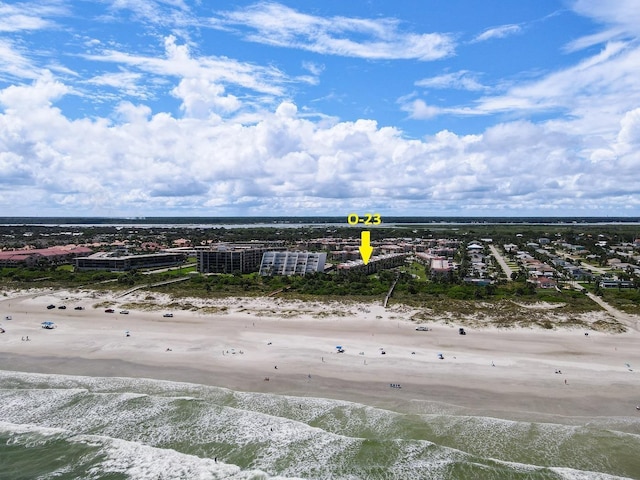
289,347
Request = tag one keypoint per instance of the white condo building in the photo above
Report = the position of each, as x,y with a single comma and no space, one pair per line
292,263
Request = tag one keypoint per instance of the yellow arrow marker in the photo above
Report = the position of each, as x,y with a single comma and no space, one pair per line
365,246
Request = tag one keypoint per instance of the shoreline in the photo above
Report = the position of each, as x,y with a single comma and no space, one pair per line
433,399
507,374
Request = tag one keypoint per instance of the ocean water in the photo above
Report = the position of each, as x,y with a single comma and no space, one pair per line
68,427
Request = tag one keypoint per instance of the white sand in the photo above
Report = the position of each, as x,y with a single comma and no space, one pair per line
240,347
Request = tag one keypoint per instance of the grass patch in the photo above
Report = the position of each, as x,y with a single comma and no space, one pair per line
626,300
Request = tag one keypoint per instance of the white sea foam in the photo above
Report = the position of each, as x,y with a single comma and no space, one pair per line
17,428
155,420
140,422
110,384
29,436
487,435
571,474
144,462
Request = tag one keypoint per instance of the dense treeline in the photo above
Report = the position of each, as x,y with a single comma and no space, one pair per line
57,277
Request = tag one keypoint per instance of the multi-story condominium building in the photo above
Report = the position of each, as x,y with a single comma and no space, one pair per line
292,263
122,263
376,263
232,258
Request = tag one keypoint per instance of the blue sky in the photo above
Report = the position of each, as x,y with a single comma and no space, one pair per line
412,107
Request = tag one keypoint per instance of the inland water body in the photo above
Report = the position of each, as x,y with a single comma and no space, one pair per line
68,427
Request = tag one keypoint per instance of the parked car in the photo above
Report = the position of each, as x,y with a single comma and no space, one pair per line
62,307
109,310
422,328
461,331
78,308
168,315
49,307
124,312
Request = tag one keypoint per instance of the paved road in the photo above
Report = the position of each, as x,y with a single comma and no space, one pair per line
583,264
501,261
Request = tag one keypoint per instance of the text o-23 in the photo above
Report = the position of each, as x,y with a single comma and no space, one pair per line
366,219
